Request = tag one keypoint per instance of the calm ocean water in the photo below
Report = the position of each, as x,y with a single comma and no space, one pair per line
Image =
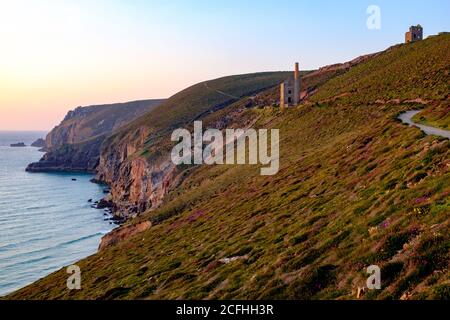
46,222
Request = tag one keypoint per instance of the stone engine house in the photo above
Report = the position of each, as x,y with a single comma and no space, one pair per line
415,33
290,90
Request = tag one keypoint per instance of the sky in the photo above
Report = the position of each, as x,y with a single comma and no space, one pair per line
56,55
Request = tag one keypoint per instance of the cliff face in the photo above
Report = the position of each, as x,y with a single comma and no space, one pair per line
137,183
80,157
74,145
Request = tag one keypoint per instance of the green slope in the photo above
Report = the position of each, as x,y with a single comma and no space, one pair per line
355,188
404,71
437,115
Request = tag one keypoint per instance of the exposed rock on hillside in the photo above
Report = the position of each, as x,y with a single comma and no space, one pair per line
80,157
123,233
356,188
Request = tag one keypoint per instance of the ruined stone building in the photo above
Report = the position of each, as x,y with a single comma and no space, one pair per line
415,33
290,90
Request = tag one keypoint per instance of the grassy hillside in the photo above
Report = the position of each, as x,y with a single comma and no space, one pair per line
355,188
135,161
196,101
405,71
437,115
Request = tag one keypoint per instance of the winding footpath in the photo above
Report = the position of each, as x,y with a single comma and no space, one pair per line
407,116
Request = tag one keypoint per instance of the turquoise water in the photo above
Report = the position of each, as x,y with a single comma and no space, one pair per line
46,221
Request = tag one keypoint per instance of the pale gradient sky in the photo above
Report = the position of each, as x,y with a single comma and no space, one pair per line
59,54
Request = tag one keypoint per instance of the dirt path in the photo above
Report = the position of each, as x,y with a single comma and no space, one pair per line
221,92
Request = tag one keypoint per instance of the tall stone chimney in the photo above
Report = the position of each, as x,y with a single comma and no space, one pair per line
282,96
296,85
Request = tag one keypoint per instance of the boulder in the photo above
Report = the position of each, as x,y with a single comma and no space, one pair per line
103,204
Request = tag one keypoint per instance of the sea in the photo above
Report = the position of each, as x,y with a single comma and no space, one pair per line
46,219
